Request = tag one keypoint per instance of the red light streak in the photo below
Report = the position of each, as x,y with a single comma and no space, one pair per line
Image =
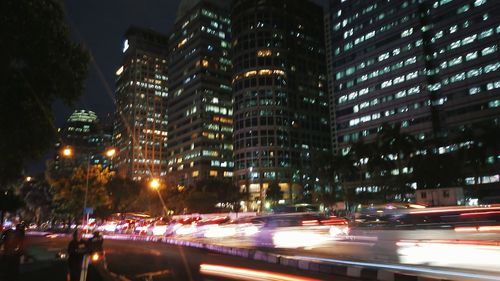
248,274
486,228
480,213
310,222
426,211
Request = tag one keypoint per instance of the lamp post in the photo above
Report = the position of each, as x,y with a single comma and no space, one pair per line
68,153
155,185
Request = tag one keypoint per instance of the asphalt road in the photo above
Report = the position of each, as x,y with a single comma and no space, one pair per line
382,246
157,261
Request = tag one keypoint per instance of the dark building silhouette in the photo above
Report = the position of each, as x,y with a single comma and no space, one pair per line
281,114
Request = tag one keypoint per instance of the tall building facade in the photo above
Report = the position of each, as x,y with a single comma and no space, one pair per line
200,113
280,95
140,128
88,139
429,65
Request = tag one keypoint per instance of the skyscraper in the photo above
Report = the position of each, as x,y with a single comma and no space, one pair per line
280,95
200,113
86,136
140,129
431,66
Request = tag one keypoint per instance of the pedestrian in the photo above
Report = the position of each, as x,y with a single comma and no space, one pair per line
95,243
13,246
76,251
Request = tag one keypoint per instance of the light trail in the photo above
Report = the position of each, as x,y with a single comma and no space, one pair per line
447,273
248,274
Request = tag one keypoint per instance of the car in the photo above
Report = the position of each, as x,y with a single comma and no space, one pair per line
298,230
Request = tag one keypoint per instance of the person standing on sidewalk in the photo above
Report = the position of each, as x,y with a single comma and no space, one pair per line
13,246
76,251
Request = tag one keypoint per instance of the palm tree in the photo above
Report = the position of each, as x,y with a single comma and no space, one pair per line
392,150
480,143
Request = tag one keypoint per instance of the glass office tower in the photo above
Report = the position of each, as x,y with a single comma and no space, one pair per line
429,65
200,112
140,129
280,96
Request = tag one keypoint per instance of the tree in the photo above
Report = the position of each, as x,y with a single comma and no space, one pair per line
478,150
123,193
9,202
274,193
39,64
392,150
206,194
69,192
434,170
38,199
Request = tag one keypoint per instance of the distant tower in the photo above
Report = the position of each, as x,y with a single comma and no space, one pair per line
200,112
87,138
140,134
280,96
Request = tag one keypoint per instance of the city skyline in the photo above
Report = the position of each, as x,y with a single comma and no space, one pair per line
103,38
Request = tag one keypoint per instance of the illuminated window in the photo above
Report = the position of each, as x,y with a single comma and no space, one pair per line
183,41
213,173
471,56
264,53
463,9
479,3
407,32
455,61
486,33
469,39
455,44
195,174
489,50
474,90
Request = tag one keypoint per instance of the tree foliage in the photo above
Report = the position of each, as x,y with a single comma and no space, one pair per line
274,193
9,202
38,199
123,193
39,64
69,192
204,197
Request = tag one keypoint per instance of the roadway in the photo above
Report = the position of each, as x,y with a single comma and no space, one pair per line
139,260
440,253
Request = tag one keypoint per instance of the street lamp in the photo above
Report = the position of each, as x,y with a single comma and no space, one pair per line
110,152
154,184
68,153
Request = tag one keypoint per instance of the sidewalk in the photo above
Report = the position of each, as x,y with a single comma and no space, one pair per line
48,270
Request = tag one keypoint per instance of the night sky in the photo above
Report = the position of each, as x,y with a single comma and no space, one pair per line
100,26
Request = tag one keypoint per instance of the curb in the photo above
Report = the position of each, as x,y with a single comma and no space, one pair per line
330,268
365,273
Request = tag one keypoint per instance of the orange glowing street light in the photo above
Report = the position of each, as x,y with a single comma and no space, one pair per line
111,152
154,184
67,152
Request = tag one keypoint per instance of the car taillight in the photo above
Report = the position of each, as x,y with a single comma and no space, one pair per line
310,222
333,222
